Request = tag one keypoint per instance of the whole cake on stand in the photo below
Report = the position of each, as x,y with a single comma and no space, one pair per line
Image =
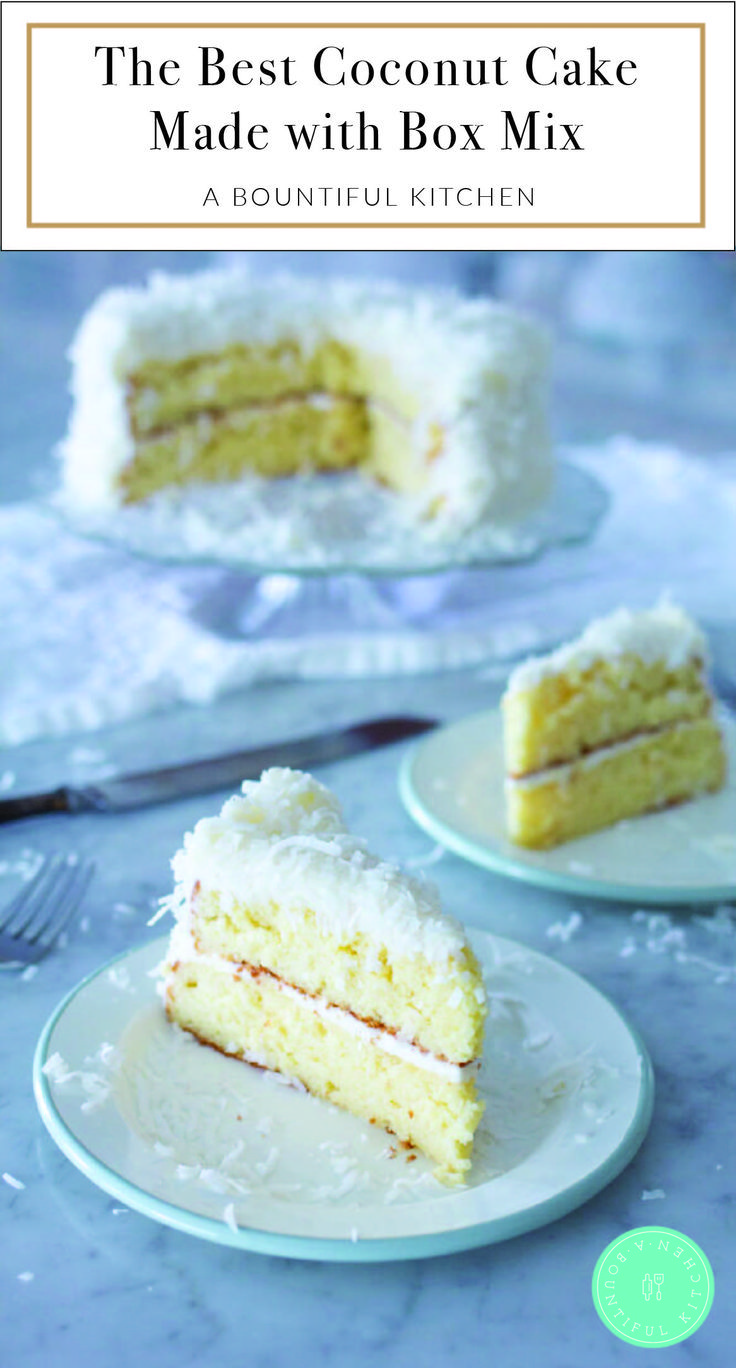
287,427
210,378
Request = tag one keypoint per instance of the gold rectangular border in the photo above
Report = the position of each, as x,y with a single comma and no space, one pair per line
30,223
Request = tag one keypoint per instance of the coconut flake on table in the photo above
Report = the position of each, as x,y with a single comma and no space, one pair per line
26,865
661,937
721,922
564,931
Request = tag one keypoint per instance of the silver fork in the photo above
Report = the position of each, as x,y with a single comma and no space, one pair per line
34,920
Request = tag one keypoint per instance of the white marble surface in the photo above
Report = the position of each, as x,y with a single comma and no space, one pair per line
111,1287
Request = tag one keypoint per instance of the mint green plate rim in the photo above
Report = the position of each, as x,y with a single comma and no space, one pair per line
313,1248
515,867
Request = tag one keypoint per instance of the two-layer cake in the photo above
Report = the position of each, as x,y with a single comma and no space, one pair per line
204,379
617,723
297,950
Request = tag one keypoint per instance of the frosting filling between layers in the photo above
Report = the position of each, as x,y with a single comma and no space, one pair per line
183,951
588,760
318,399
215,413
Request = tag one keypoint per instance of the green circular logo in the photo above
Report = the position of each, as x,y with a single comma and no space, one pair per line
653,1287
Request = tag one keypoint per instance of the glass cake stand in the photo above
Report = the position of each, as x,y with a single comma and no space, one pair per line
320,575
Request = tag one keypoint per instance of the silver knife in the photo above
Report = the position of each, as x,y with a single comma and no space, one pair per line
204,776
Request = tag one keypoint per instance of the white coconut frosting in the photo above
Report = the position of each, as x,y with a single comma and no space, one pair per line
284,841
477,368
664,632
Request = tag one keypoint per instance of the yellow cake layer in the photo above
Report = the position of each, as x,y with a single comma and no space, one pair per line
442,1009
279,440
255,1017
162,394
670,766
566,714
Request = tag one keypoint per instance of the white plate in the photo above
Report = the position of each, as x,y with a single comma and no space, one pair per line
190,1137
452,784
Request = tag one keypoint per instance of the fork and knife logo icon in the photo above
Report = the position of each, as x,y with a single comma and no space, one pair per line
651,1308
647,1287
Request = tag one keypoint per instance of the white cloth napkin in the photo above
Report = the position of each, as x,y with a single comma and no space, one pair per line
92,635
